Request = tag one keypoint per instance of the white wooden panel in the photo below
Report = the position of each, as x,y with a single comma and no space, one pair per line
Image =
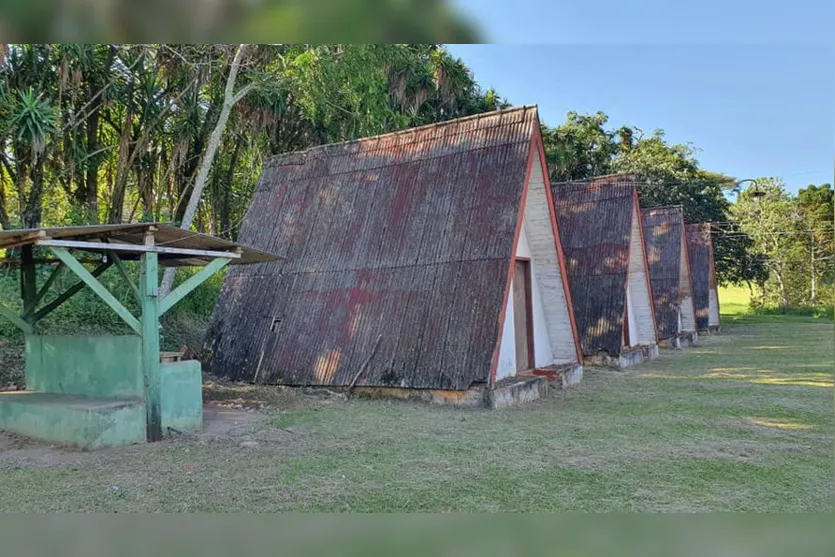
644,332
546,270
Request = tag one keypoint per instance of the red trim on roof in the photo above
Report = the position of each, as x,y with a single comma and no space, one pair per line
520,221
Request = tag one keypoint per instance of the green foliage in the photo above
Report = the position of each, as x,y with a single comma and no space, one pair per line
583,147
793,238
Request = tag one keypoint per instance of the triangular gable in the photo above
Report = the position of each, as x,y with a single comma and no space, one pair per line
638,284
556,340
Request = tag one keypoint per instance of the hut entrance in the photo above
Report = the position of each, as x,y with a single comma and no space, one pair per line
522,315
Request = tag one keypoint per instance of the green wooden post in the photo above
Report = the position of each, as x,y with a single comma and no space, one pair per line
28,281
148,288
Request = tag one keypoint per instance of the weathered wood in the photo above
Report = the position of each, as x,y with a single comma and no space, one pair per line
364,364
56,272
21,239
103,246
190,284
118,261
98,288
68,293
28,280
16,320
148,289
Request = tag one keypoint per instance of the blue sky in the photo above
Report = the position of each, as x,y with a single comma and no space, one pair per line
751,110
652,21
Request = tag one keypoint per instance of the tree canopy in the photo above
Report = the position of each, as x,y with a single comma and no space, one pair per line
115,132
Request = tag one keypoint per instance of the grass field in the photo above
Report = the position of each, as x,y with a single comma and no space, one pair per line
743,422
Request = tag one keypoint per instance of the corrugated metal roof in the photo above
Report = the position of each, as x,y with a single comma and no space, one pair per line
699,245
663,229
595,223
407,237
165,235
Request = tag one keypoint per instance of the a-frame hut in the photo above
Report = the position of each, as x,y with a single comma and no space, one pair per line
601,232
669,272
423,260
703,271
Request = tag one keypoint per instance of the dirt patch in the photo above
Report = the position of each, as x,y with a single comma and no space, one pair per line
233,412
221,421
276,398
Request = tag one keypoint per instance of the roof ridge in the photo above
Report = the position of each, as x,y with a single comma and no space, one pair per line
290,154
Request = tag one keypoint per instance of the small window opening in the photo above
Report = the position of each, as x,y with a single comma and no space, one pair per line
276,325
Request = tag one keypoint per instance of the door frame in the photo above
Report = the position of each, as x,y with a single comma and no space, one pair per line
528,307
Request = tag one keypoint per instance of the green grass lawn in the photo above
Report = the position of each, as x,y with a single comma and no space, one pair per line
734,301
744,422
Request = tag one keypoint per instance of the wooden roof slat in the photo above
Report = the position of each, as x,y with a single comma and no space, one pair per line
179,247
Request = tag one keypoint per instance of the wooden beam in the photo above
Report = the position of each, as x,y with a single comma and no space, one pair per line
118,261
68,293
149,289
190,284
103,246
24,238
98,288
45,288
28,279
42,261
16,320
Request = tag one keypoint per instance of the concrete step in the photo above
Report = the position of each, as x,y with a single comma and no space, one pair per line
86,422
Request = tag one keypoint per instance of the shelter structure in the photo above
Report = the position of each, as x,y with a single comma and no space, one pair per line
421,264
108,390
605,255
703,271
669,273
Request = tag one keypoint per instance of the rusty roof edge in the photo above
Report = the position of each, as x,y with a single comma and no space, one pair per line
276,160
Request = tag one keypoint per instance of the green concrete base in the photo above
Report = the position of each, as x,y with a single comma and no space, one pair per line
89,423
181,396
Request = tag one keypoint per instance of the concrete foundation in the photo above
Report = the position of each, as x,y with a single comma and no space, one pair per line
683,340
85,422
87,391
518,390
631,356
511,391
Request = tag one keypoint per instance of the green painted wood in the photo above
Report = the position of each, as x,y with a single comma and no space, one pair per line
28,280
148,289
16,319
97,287
119,265
68,293
190,284
56,272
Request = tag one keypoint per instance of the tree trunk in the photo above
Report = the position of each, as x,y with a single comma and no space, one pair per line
34,204
117,196
784,299
91,179
813,282
230,98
